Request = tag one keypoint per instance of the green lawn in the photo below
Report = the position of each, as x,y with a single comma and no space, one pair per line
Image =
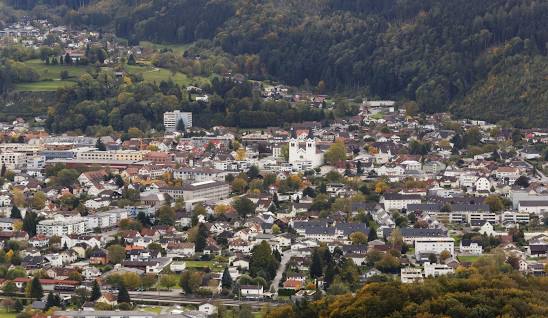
43,86
215,266
177,48
5,314
48,72
154,74
470,259
155,310
50,75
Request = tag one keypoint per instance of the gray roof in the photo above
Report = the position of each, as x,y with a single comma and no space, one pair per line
413,232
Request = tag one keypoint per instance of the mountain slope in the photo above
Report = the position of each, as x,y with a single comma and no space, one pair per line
443,54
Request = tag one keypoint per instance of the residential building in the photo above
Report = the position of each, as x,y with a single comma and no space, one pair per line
435,270
171,119
206,190
434,245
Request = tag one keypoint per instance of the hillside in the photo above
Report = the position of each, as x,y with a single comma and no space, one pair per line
486,290
482,59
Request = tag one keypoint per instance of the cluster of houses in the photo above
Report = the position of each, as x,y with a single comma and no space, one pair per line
443,200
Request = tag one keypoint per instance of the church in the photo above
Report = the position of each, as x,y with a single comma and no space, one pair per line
304,153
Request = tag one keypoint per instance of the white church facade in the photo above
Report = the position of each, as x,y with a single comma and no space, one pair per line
304,154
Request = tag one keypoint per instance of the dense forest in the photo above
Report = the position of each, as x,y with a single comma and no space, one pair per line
102,103
489,289
481,59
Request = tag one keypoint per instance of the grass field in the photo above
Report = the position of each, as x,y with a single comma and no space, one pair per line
43,86
155,310
215,266
176,48
154,74
48,72
5,314
471,259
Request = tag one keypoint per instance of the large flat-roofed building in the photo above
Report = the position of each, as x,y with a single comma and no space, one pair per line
206,190
199,174
111,155
172,118
13,160
62,226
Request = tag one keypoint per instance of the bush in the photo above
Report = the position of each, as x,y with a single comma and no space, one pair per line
125,306
204,292
64,74
286,292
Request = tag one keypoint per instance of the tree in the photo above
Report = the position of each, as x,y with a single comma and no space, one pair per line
190,281
123,295
168,281
67,177
9,288
245,312
64,74
201,238
131,59
262,262
495,203
38,200
316,265
226,280
18,198
100,145
445,254
522,181
244,207
68,59
388,264
358,238
36,291
253,172
3,170
15,213
116,254
95,291
513,261
53,300
395,238
284,152
335,153
18,305
29,223
166,215
239,185
180,126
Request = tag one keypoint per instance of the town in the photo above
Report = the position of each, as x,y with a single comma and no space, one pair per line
196,222
259,216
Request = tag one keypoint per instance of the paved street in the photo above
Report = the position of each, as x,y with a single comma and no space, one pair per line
281,269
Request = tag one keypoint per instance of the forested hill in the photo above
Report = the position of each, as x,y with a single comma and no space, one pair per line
485,59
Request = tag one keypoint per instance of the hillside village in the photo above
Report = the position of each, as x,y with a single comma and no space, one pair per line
277,214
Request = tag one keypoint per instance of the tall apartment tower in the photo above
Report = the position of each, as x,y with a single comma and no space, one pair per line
172,118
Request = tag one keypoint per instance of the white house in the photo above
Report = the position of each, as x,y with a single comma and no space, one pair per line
470,248
435,245
411,275
252,291
435,270
482,184
207,308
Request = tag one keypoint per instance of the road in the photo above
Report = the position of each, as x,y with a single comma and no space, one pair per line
541,175
176,298
281,269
